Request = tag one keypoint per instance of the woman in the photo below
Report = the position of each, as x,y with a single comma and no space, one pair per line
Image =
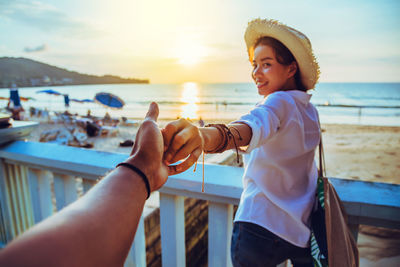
280,134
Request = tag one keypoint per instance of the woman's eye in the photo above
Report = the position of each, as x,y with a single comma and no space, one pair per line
266,65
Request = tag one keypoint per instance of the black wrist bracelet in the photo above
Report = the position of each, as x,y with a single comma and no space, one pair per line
138,171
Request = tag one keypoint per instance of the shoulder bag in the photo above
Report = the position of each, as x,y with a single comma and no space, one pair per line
332,243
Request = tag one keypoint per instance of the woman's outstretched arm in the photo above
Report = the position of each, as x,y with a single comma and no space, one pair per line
183,139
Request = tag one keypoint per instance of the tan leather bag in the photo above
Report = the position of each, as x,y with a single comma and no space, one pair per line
342,248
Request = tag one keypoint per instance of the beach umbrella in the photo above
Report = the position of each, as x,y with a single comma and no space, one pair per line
81,100
49,91
109,100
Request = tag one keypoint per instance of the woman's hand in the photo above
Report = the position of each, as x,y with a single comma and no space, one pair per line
181,139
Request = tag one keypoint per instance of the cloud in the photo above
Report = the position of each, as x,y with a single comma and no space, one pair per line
39,48
45,17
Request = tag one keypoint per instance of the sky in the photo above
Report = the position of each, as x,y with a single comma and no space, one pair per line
176,41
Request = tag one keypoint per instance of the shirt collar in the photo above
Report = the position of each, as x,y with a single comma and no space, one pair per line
301,96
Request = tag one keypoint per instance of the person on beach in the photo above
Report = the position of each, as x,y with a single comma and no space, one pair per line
278,138
14,103
99,228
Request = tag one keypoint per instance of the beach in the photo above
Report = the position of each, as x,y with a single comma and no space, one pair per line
368,153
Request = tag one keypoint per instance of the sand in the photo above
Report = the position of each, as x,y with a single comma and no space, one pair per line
368,153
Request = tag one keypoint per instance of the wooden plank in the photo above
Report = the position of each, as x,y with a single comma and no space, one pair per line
12,187
5,203
23,197
172,224
220,217
223,183
354,230
77,161
209,196
65,190
27,196
378,194
137,253
385,223
40,189
17,197
19,182
34,194
87,184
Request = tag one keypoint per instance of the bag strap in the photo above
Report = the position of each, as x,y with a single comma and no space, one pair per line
321,170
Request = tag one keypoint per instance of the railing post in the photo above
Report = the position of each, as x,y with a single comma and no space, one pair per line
22,208
5,202
220,217
172,223
137,253
40,189
65,190
354,230
87,184
14,200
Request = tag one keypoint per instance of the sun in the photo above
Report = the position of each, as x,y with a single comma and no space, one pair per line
190,54
188,60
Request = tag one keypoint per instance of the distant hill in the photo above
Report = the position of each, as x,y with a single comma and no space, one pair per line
24,72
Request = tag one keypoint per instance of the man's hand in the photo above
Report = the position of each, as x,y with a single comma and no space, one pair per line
148,149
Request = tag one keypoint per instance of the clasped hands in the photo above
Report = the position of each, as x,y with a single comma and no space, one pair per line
155,150
182,140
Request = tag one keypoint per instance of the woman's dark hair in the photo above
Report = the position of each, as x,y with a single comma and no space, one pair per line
283,56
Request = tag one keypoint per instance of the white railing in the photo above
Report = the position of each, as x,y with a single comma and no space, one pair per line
27,168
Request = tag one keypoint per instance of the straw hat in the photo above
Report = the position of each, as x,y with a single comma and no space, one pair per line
294,40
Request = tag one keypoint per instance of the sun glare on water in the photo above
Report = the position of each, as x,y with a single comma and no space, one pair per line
189,97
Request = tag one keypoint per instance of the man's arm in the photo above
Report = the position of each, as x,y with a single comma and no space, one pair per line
98,229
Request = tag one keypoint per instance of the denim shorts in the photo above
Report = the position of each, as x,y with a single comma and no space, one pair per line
253,245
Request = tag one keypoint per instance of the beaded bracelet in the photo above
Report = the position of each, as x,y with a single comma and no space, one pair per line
138,171
226,135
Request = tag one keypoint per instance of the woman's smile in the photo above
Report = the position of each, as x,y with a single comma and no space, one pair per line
261,84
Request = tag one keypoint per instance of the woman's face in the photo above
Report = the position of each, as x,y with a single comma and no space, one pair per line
268,74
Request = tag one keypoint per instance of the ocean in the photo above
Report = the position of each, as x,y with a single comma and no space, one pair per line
348,103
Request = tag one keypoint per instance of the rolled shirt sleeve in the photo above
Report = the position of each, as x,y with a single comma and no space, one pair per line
265,119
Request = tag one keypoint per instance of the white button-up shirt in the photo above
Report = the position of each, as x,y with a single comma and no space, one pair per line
280,175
